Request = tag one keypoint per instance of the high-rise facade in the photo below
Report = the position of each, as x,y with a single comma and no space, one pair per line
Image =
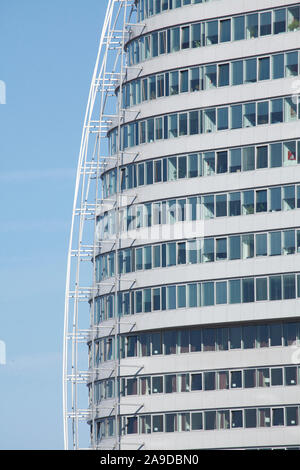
195,325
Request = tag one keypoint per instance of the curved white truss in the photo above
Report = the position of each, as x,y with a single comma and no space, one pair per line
102,108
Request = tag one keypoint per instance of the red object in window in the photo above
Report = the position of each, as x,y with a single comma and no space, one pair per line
291,155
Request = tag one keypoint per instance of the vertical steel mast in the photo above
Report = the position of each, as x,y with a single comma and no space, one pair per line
104,108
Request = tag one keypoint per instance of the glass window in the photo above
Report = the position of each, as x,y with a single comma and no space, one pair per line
278,66
223,380
248,158
185,37
210,120
235,337
225,30
275,199
209,339
221,249
279,23
264,417
235,247
276,376
237,419
275,155
211,32
249,115
156,343
277,417
275,288
195,79
248,289
288,202
262,157
234,204
173,126
237,72
289,242
221,205
276,111
291,415
222,119
289,153
209,420
171,422
236,379
197,421
250,418
235,161
221,293
208,207
264,68
290,331
261,200
184,81
170,383
152,87
249,337
275,243
247,202
209,164
160,85
262,113
181,296
247,246
183,130
238,28
265,23
170,342
175,39
261,288
293,18
193,165
209,380
236,116
223,75
291,65
196,382
289,286
290,375
290,109
195,340
252,26
196,35
194,122
250,71
234,291
207,294
157,423
250,378
222,163
275,334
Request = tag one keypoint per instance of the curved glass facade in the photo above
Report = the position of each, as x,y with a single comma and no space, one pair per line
197,251
210,76
207,120
200,208
208,163
212,32
148,8
205,298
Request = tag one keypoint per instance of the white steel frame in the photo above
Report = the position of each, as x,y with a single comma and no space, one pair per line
103,108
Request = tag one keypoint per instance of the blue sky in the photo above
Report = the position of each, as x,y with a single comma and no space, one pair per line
47,53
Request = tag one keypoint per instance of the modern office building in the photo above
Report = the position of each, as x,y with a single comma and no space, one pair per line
195,237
